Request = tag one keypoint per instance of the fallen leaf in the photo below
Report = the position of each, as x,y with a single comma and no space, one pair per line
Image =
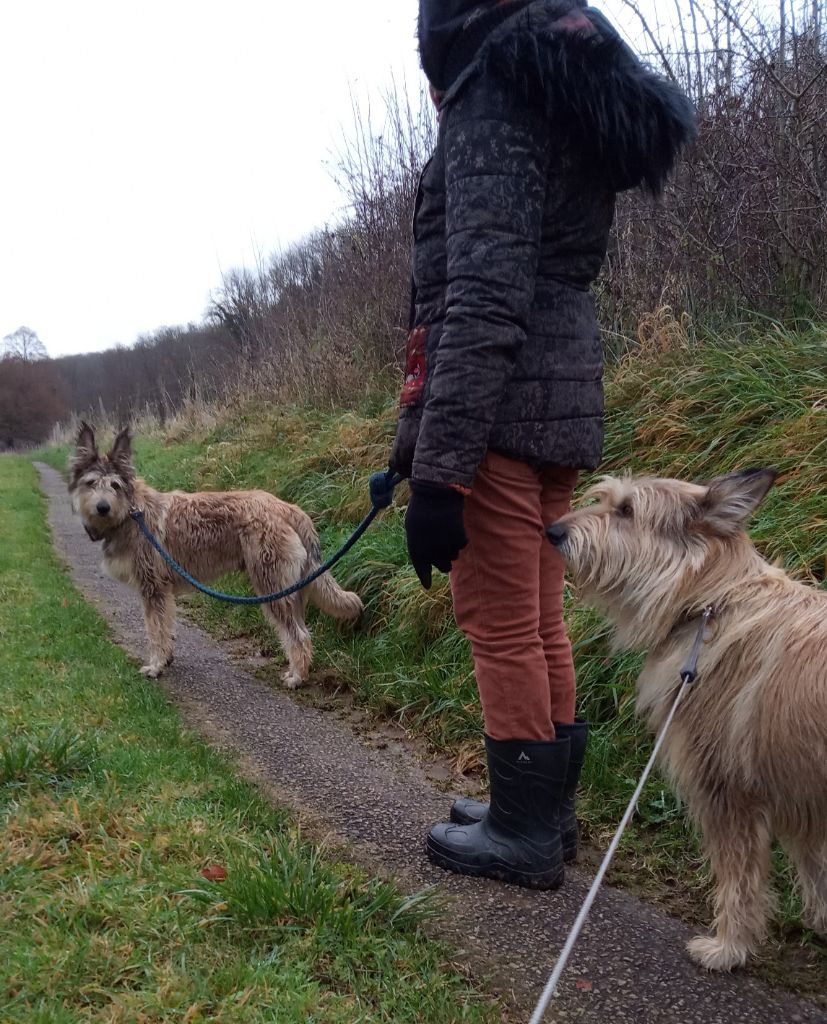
215,873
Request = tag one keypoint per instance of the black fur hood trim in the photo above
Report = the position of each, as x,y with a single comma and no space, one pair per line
594,90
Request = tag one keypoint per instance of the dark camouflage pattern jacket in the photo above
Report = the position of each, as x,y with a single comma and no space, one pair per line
547,116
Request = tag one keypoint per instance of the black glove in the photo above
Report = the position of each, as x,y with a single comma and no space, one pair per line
434,527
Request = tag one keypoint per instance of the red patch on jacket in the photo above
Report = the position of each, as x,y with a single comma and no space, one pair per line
575,21
415,367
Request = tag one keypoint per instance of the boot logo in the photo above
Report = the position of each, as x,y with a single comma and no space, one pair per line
524,758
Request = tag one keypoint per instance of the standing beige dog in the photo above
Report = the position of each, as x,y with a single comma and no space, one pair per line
748,747
208,534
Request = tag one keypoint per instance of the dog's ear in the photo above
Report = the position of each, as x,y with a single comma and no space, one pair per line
730,500
120,454
86,441
86,453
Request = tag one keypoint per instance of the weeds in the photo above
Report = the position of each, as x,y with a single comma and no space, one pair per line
290,887
46,757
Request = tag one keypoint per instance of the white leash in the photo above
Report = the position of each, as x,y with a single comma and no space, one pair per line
688,673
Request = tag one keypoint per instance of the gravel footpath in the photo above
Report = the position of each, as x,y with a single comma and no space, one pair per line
629,966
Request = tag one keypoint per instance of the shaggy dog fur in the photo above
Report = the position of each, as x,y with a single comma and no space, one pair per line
748,747
208,534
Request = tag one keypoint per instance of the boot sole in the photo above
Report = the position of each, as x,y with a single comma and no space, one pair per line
542,881
458,818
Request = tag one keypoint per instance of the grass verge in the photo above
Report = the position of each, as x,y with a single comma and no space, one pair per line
140,880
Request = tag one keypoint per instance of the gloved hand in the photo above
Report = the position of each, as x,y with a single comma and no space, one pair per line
434,528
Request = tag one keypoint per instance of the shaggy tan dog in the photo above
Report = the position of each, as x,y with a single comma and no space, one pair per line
208,534
748,747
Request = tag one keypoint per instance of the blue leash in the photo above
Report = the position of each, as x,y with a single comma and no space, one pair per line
381,486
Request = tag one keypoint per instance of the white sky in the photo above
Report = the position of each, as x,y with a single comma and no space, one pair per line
149,147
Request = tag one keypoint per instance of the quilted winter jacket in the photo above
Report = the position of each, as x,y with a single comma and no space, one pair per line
548,120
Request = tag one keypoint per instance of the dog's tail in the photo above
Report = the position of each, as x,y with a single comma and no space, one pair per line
332,599
325,592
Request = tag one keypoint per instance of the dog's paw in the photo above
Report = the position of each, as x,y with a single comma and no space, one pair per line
291,679
152,670
716,955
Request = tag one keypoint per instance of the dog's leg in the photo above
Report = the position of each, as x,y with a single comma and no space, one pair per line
287,617
810,859
170,628
274,561
738,840
159,615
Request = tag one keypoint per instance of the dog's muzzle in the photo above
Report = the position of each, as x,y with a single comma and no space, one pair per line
556,533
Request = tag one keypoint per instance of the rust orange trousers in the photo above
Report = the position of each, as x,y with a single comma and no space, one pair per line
507,587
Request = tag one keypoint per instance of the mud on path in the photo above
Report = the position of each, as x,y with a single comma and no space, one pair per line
376,803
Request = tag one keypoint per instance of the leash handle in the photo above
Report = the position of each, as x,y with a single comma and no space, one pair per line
381,487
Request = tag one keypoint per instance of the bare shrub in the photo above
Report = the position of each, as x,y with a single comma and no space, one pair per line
745,221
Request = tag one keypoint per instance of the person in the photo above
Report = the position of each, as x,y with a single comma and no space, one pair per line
544,116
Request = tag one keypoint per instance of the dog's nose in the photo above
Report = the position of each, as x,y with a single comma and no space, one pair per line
556,533
103,508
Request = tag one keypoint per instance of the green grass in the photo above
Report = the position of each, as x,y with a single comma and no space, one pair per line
109,813
755,395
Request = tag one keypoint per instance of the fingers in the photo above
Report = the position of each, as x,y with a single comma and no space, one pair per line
423,571
424,565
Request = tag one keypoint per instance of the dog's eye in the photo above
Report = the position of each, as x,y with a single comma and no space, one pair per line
625,510
115,485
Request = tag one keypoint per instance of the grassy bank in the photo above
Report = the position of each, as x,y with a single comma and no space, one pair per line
678,407
139,879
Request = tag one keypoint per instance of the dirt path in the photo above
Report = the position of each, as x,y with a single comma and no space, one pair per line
629,967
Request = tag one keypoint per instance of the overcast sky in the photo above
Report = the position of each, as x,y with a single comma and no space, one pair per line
149,147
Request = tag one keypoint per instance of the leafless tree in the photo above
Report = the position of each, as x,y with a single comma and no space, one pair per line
24,344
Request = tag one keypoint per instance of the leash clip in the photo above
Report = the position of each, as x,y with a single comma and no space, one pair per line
690,669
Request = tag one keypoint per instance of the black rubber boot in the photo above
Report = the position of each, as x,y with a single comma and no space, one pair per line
519,838
467,812
578,734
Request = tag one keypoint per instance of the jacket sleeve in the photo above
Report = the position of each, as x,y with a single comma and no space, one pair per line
496,154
